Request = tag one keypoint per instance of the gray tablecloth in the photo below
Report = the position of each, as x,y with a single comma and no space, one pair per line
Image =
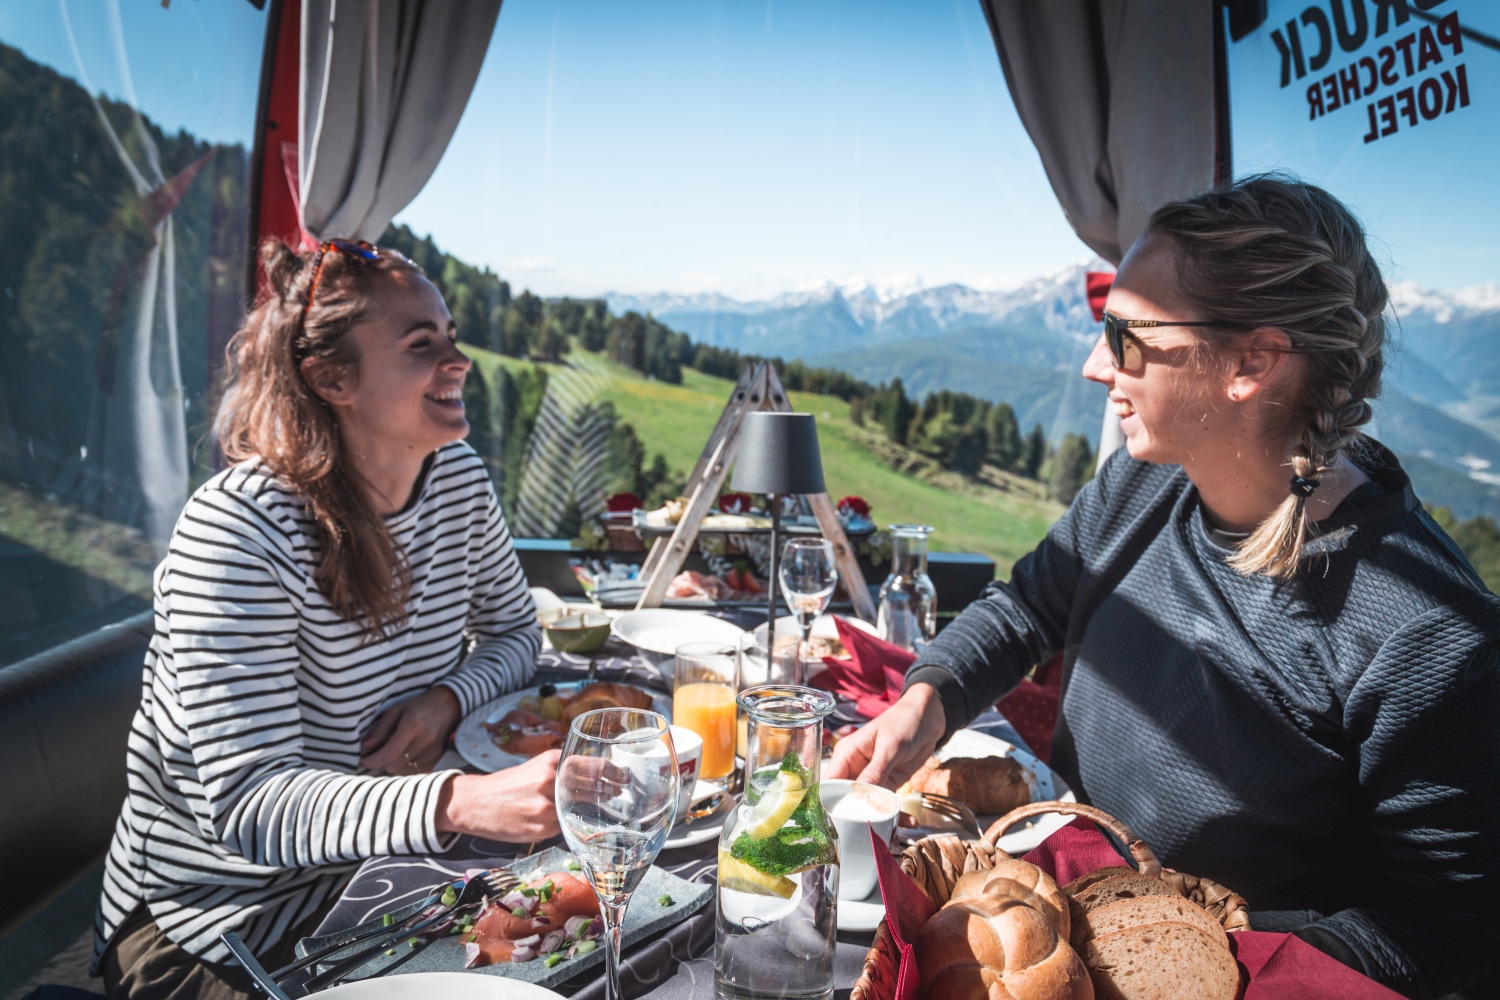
673,965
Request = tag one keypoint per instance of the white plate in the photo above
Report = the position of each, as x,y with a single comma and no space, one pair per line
473,741
703,830
862,915
972,743
657,632
448,985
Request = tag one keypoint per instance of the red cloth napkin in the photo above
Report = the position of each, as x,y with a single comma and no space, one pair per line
1273,966
1032,709
907,910
873,674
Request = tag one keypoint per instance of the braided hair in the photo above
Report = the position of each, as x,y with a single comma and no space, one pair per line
1272,251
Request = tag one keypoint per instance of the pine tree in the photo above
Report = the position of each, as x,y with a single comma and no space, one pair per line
1072,466
1035,452
1003,436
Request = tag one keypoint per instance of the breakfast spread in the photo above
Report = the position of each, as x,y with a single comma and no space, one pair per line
540,720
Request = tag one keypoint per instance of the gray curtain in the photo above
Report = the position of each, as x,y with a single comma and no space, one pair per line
1118,96
384,83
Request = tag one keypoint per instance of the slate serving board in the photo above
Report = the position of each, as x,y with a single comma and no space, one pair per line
643,918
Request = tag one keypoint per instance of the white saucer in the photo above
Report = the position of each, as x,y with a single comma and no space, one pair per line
862,915
702,830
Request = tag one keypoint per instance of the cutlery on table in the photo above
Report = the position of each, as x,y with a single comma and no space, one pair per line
496,882
252,965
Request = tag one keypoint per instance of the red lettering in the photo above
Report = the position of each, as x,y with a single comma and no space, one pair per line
1449,34
1331,92
1427,50
1349,83
1406,104
1373,134
1387,116
1369,64
1430,88
1404,43
1383,14
1314,101
1388,75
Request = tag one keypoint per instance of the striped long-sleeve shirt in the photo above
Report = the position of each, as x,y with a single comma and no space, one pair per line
244,806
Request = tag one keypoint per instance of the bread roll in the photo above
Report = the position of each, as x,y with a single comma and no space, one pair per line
988,785
1025,882
1164,961
994,947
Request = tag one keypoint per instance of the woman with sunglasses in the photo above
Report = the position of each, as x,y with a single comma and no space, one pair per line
1277,669
329,607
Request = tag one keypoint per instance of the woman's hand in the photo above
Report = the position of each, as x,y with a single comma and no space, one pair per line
514,805
408,737
889,750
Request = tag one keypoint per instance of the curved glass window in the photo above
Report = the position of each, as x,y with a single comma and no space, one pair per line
125,132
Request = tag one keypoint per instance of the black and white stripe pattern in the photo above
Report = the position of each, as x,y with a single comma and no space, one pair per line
244,809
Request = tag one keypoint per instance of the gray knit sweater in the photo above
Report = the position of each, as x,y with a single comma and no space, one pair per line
1329,748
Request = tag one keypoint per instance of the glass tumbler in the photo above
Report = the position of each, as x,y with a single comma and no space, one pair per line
703,688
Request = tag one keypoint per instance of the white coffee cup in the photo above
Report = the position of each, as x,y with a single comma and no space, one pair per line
855,807
689,751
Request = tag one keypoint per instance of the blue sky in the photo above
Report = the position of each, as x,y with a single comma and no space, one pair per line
754,146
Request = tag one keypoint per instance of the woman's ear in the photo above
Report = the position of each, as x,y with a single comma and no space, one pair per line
1260,365
334,384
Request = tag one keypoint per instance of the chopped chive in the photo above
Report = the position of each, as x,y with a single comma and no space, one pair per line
552,960
584,947
519,912
390,951
449,896
573,865
386,920
411,942
665,900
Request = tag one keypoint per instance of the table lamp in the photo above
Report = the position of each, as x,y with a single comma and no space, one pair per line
778,456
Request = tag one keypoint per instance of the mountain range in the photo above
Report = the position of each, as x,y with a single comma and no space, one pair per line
1440,408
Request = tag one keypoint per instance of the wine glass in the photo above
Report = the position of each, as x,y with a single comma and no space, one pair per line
808,576
617,786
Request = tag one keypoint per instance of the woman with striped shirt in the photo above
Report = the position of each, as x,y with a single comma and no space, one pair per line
328,609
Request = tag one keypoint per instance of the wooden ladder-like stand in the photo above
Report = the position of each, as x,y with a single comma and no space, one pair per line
759,388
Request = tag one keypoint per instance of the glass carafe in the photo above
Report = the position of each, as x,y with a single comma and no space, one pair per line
908,600
777,906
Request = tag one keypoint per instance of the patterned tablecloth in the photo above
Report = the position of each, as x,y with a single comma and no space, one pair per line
676,964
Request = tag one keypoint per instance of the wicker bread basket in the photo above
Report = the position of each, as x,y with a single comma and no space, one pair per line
936,863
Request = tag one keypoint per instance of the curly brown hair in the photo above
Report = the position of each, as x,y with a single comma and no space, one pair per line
268,412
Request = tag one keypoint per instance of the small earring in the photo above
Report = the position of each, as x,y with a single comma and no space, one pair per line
1234,396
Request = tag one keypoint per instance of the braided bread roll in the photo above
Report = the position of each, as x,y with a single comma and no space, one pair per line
995,947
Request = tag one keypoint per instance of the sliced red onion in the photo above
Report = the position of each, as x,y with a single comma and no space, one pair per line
534,730
471,955
553,941
522,954
582,927
529,942
542,918
511,900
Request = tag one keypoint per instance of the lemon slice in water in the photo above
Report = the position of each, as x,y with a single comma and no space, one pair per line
735,874
777,803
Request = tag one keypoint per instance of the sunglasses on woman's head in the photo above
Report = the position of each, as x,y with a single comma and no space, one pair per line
355,248
1125,348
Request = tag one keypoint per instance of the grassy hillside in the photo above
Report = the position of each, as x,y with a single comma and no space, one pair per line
1001,515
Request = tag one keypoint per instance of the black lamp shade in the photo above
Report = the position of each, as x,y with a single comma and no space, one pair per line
779,454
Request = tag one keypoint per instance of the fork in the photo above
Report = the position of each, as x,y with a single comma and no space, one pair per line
495,882
954,812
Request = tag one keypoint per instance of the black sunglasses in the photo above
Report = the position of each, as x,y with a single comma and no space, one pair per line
1125,349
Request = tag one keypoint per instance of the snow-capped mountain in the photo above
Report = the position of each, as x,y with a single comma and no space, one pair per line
849,315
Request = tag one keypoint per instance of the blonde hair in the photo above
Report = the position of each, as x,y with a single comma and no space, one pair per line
268,412
1272,251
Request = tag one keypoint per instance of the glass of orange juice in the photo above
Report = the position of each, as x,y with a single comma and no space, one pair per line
703,691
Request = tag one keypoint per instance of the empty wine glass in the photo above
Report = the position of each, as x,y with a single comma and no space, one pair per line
808,576
617,787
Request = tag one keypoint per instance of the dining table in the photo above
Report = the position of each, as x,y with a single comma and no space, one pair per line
673,964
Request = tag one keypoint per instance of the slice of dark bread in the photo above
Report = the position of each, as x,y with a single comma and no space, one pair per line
1164,961
1126,913
1097,875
